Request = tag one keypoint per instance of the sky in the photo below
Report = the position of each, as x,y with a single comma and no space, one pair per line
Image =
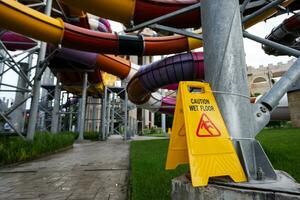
255,56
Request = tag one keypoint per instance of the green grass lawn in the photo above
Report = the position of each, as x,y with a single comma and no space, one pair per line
283,149
149,179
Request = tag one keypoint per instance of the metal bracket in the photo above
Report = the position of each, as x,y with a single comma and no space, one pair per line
261,117
259,168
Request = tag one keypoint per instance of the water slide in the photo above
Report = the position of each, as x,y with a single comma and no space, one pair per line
286,33
150,77
15,16
14,41
138,11
65,63
55,31
142,84
170,70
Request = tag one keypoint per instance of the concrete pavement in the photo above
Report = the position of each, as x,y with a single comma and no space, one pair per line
91,170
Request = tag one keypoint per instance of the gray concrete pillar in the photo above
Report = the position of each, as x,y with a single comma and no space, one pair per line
55,112
18,115
83,107
294,107
78,114
103,114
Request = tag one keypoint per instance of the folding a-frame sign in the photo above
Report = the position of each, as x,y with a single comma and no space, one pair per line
199,137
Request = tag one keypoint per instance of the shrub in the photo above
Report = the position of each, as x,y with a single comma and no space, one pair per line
94,136
15,149
156,132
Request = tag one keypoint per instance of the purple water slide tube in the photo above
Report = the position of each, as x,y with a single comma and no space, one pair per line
87,59
171,87
170,70
106,24
14,41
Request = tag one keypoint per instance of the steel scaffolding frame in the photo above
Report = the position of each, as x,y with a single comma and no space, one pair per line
28,88
114,115
249,150
10,63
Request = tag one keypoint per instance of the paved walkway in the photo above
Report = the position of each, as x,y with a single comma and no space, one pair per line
91,170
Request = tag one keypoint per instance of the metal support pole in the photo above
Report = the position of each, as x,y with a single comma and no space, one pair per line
70,119
165,17
37,83
108,116
226,72
103,117
83,107
94,116
126,116
59,125
16,106
18,115
2,55
78,114
272,98
47,79
163,123
280,47
163,117
140,111
260,11
55,114
177,31
244,5
112,118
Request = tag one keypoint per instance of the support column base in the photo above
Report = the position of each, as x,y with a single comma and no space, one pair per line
285,188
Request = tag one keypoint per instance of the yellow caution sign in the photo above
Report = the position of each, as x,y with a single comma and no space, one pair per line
169,131
199,137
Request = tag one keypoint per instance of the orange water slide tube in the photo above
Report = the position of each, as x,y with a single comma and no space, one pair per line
15,16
